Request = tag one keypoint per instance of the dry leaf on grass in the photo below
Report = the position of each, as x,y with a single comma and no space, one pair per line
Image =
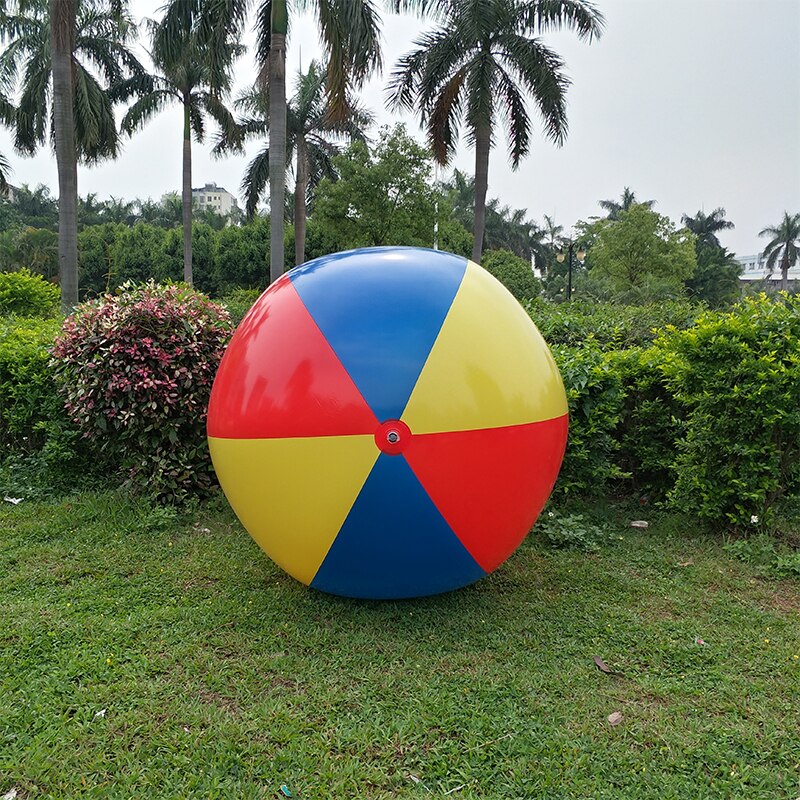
615,718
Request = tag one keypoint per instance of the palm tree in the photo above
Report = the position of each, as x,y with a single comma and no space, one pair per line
460,193
50,45
166,213
118,210
507,229
185,78
552,231
627,200
311,131
477,67
706,226
349,32
784,245
90,210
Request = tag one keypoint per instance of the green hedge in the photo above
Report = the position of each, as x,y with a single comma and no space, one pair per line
29,399
706,414
28,295
609,325
650,423
595,397
736,375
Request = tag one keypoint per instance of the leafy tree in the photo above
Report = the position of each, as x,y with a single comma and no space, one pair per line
716,278
184,76
96,258
641,255
58,48
381,198
706,226
349,33
513,272
476,68
240,258
140,253
312,131
626,202
784,245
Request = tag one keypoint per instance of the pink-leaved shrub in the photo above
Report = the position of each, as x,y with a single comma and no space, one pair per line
135,369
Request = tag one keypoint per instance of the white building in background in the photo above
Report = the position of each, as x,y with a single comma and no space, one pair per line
754,268
9,193
218,199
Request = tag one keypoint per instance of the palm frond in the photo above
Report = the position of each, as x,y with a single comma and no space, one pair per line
582,17
145,108
541,72
443,118
255,180
516,117
95,127
5,168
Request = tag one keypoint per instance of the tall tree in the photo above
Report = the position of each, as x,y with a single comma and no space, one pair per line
184,76
382,197
349,33
51,44
784,245
508,229
706,226
460,192
552,231
625,203
63,15
476,68
312,138
641,256
716,279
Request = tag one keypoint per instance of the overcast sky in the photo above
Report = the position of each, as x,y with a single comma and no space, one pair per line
693,103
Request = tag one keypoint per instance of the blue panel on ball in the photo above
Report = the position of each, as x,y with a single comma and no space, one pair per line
394,542
381,310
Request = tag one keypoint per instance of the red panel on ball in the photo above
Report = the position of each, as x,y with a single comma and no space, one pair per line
490,484
281,378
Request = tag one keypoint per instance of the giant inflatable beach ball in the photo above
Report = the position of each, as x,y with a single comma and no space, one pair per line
387,423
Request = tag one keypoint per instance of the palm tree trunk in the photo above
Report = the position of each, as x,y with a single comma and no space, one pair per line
785,269
482,145
62,41
277,135
187,193
300,186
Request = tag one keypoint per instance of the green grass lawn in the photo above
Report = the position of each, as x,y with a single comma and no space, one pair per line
144,656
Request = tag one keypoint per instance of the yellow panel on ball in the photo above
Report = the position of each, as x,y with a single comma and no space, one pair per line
268,482
489,367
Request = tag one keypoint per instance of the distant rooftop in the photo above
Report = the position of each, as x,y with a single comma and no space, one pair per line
754,268
211,187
